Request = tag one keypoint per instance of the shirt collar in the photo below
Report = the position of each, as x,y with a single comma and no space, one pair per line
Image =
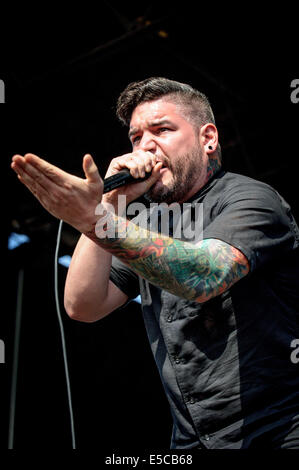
210,183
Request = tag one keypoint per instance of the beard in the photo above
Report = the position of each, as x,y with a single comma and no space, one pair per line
185,172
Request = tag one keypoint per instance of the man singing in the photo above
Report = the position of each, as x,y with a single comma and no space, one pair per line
220,314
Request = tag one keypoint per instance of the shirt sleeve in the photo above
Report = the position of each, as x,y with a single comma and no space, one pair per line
255,219
124,278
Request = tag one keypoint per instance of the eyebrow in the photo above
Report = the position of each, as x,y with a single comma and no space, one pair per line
156,123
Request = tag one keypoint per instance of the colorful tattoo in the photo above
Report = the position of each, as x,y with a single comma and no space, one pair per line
195,273
214,165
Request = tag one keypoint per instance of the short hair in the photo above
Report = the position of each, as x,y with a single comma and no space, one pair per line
194,104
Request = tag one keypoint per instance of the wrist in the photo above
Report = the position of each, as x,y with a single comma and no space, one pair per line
104,215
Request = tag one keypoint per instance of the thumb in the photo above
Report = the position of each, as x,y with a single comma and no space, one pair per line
155,174
90,169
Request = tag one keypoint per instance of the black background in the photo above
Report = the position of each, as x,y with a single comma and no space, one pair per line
63,72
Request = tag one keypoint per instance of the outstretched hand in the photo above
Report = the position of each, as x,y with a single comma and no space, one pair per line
65,196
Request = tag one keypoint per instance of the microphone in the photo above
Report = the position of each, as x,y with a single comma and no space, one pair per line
120,179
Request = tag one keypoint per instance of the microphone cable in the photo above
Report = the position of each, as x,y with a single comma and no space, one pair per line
66,369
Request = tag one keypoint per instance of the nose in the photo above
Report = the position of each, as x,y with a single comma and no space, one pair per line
147,143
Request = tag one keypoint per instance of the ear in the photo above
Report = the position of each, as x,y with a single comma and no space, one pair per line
209,137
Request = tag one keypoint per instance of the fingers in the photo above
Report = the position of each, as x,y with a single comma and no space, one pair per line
155,174
30,175
45,181
65,196
34,182
138,163
30,162
142,163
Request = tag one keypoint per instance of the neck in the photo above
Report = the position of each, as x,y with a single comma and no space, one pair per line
213,165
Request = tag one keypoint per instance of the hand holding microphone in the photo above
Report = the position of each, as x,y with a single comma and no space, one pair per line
121,178
74,199
131,175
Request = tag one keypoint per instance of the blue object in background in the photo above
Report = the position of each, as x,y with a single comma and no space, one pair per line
65,260
17,239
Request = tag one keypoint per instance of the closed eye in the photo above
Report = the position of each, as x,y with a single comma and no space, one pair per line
159,130
135,139
162,129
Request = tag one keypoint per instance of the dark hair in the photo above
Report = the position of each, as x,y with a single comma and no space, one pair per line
194,104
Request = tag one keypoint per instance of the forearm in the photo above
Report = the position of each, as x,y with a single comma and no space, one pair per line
87,280
195,273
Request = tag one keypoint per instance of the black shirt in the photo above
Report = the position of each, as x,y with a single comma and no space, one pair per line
226,364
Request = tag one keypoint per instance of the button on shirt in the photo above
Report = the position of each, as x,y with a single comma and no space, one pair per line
225,364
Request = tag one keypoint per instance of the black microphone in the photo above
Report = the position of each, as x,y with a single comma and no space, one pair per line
120,179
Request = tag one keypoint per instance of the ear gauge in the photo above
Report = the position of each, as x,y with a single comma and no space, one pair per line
210,147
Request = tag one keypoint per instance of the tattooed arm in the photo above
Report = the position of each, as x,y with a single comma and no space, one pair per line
195,273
